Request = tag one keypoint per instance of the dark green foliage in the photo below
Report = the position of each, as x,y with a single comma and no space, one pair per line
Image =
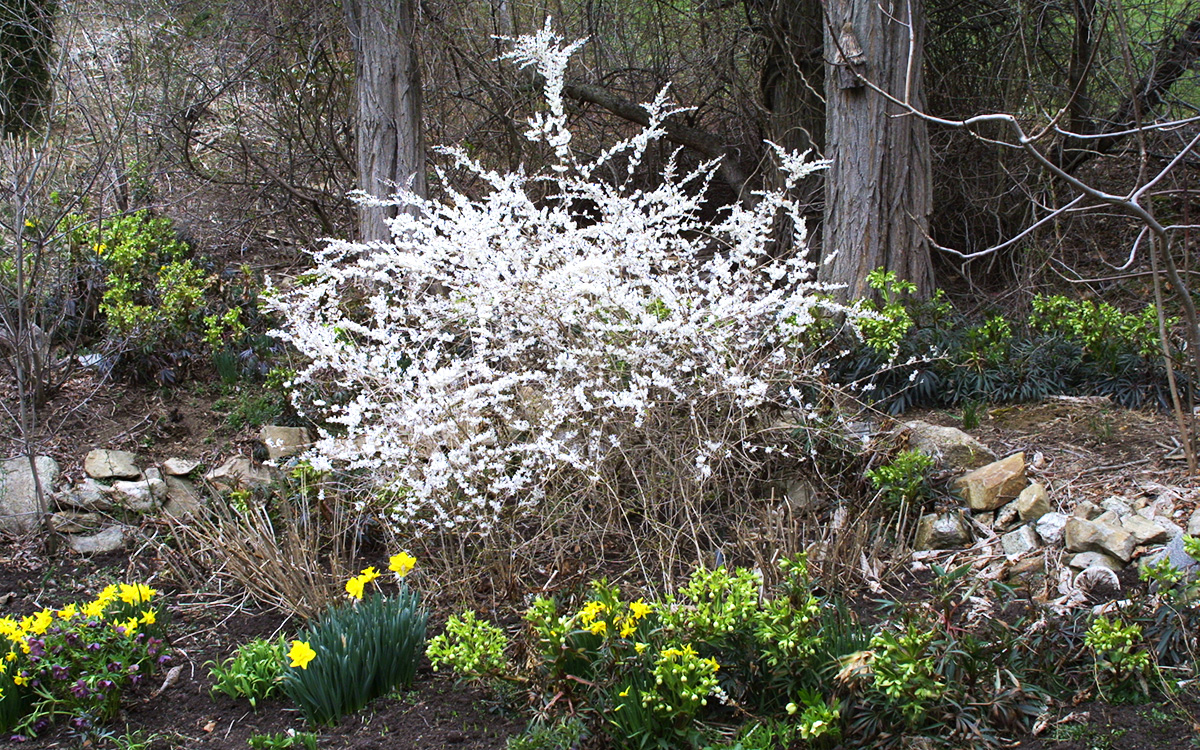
26,41
364,650
1065,348
252,673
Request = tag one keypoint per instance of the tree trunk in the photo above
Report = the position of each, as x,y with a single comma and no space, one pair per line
877,190
26,41
388,135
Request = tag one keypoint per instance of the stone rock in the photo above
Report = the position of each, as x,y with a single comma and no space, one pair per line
1007,517
158,488
19,511
102,464
1144,531
133,496
1051,526
238,472
179,467
88,495
1193,528
108,540
1033,502
1017,543
950,445
801,495
1086,510
991,486
942,531
1174,552
74,522
183,501
1117,505
282,442
1097,536
1029,567
1085,560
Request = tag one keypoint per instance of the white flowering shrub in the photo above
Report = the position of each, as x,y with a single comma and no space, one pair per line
505,355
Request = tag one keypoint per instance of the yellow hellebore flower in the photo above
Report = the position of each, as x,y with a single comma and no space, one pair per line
148,617
301,654
402,564
354,587
136,593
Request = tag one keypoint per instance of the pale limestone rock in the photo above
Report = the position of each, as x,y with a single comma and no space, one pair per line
108,540
19,511
88,495
1007,517
951,446
179,467
282,442
942,531
1086,510
183,501
1144,531
133,496
1097,536
1033,502
991,486
238,472
104,464
74,522
1050,527
1020,541
1085,560
1193,527
1117,505
158,488
1029,568
1176,554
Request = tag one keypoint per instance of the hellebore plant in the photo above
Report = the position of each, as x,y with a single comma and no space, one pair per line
75,662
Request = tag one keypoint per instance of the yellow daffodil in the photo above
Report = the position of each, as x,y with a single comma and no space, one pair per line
640,609
131,626
628,626
107,594
402,564
591,611
41,622
640,647
19,680
369,574
136,593
94,609
624,693
68,612
148,617
599,627
354,587
301,654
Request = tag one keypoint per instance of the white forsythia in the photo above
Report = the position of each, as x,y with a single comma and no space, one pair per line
503,350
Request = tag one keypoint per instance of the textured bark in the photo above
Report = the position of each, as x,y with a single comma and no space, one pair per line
26,42
877,190
388,135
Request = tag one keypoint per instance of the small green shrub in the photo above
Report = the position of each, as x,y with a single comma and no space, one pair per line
903,481
356,652
561,734
283,741
471,647
1121,663
253,672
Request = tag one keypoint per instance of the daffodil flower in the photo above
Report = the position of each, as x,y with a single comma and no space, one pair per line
402,564
354,587
301,654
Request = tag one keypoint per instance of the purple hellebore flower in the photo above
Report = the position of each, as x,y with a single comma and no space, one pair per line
18,738
92,647
72,639
135,679
41,725
80,689
114,666
80,722
59,672
164,660
106,685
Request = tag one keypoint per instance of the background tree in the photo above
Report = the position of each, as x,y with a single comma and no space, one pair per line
26,41
389,139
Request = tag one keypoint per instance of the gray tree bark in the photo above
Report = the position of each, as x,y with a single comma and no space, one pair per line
878,192
388,135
